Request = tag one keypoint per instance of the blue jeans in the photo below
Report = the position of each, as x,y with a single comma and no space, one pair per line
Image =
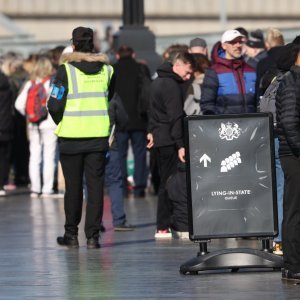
280,188
138,142
113,182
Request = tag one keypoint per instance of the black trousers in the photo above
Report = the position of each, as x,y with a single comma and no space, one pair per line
92,166
291,213
5,151
167,158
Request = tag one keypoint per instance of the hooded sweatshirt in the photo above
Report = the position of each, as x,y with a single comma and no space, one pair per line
166,108
90,64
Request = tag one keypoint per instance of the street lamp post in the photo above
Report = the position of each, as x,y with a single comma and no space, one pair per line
133,33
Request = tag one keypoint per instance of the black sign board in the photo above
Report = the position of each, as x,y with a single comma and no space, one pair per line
230,176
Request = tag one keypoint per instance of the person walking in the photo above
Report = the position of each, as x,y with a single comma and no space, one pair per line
166,129
79,105
128,74
113,174
42,139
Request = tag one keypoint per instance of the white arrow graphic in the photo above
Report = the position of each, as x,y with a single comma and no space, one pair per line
205,158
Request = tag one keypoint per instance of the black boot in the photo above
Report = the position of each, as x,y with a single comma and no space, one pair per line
93,243
290,276
68,241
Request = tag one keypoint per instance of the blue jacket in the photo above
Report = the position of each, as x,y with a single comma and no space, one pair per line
229,86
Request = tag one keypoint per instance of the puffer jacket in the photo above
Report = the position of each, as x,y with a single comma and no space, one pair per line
229,86
288,113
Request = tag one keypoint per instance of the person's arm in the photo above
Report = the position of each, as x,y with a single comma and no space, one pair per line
111,88
57,101
174,108
209,92
20,103
288,95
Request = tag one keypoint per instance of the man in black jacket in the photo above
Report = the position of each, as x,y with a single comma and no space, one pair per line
288,128
128,76
166,130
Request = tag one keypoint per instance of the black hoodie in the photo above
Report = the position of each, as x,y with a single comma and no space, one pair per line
166,108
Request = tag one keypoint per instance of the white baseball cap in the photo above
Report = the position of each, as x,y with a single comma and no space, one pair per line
230,35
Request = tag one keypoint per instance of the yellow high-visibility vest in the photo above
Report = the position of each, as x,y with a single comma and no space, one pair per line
86,110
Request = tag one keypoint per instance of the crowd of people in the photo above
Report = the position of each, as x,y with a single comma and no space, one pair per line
97,109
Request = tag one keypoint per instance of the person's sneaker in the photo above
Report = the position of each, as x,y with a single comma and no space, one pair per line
10,187
290,276
34,195
70,242
2,193
277,248
182,235
52,195
124,227
93,243
163,234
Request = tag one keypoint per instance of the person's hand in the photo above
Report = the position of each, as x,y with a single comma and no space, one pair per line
181,154
150,140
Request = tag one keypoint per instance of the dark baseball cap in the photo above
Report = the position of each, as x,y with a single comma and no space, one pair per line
198,42
256,39
82,33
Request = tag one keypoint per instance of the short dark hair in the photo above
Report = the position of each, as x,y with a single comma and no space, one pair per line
243,31
202,62
125,51
83,39
186,58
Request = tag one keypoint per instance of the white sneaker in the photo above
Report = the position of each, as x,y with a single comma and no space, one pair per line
163,234
34,195
2,193
52,195
182,235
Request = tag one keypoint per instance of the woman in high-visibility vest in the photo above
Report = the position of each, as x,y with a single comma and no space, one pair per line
79,106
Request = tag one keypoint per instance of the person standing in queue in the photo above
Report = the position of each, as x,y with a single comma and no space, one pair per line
83,85
165,131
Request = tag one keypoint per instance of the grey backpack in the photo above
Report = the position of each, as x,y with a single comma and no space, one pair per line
267,102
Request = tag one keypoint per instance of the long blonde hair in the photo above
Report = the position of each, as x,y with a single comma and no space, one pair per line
42,68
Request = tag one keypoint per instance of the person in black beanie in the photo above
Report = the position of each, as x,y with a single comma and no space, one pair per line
78,104
255,48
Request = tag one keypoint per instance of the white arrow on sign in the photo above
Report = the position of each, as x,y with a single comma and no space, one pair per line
205,158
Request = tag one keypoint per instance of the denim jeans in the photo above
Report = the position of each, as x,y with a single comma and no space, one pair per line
114,184
280,188
138,143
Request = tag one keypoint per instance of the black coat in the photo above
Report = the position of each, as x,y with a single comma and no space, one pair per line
166,108
267,64
127,74
288,113
6,109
